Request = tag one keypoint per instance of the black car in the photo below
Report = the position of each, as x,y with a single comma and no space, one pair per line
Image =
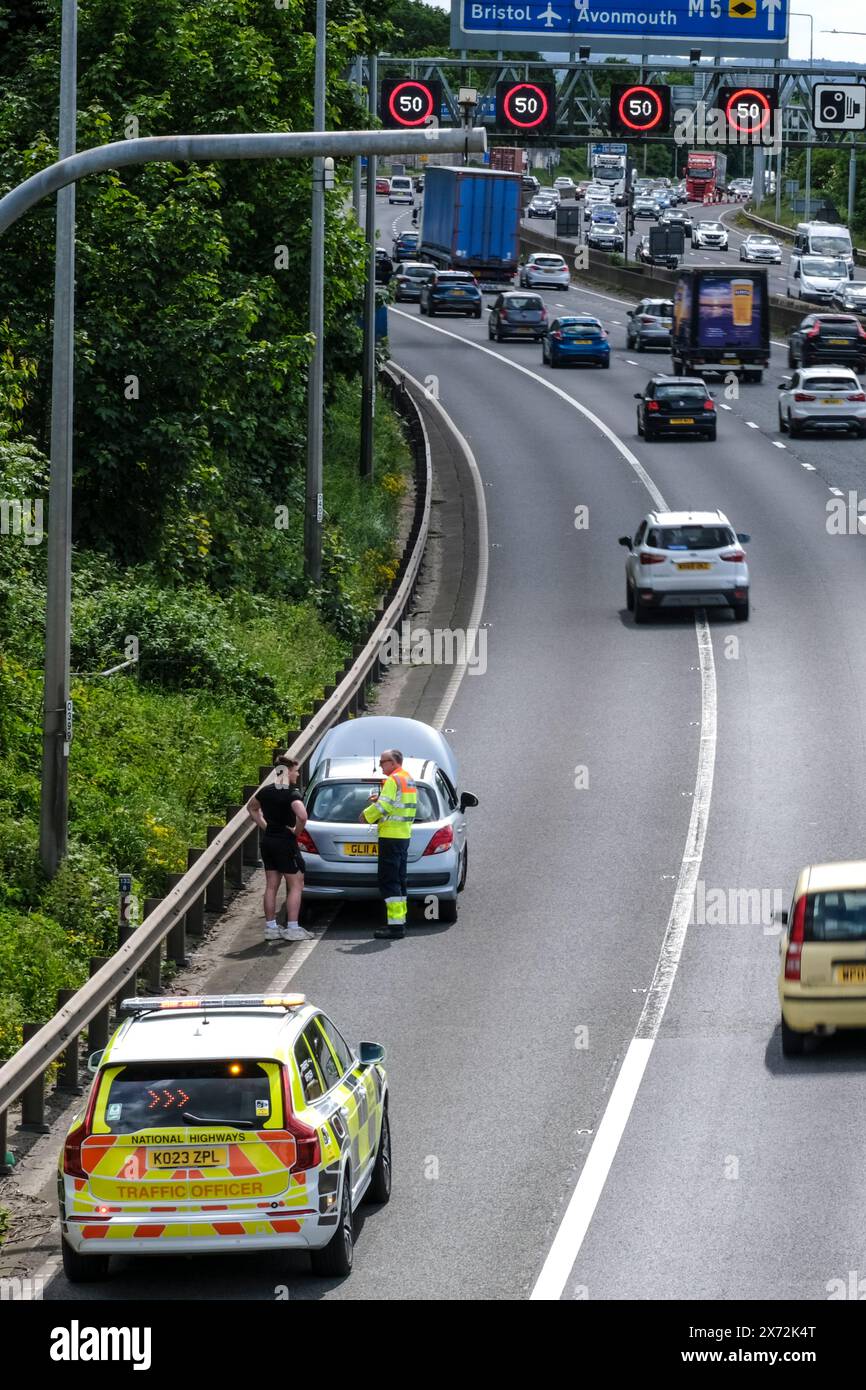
517,314
838,338
850,297
605,236
675,405
645,254
418,183
649,324
675,217
384,266
451,290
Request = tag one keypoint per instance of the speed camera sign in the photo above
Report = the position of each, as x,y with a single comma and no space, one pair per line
839,106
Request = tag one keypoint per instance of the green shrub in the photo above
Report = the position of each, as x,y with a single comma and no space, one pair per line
12,1021
35,962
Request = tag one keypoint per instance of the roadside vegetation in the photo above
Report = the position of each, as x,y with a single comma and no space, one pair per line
190,442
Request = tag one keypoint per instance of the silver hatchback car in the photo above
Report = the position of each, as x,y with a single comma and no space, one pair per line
340,850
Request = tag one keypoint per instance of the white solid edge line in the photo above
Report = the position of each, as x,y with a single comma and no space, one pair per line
810,466
752,425
480,594
583,1201
777,444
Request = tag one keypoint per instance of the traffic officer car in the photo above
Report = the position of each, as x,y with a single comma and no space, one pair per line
822,976
224,1123
686,560
340,852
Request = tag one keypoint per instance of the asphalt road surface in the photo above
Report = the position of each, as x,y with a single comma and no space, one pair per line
738,1174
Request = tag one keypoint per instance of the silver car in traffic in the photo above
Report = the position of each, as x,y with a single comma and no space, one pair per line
340,850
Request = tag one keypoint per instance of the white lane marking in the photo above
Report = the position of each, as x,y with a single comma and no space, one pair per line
480,595
584,1199
631,362
581,1208
590,415
777,444
752,425
837,492
722,406
810,466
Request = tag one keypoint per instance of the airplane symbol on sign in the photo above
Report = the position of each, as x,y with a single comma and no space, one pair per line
549,15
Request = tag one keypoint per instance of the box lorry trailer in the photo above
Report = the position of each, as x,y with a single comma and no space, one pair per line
471,221
721,322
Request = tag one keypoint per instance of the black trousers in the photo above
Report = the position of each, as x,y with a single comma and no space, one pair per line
391,869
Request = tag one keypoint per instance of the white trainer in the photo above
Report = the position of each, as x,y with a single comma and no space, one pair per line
295,933
272,933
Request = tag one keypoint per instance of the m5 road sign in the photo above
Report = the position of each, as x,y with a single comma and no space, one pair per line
839,106
719,28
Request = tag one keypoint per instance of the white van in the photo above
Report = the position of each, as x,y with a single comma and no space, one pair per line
825,240
401,189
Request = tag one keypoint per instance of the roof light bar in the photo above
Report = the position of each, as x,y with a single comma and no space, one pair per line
213,1001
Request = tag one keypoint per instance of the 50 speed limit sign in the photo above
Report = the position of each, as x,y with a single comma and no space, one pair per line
405,103
527,107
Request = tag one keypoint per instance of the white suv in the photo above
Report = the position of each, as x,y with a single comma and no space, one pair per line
686,560
710,235
544,268
822,396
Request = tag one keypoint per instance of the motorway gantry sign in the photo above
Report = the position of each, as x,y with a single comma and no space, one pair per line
839,106
719,28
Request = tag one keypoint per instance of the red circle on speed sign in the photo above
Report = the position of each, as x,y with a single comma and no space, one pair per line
416,89
532,91
752,95
647,122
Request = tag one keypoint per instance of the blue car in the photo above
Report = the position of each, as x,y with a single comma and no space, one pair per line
576,338
454,291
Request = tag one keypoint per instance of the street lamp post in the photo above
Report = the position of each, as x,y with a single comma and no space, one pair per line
57,710
313,510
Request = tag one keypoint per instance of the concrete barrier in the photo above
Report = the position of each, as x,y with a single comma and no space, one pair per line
787,233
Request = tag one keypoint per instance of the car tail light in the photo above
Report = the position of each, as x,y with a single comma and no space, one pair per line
72,1164
803,396
557,335
544,316
793,955
646,558
309,1153
306,841
814,330
652,405
647,318
861,331
857,396
442,840
503,316
734,556
709,405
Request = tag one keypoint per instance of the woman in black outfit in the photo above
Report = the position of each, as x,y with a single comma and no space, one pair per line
278,811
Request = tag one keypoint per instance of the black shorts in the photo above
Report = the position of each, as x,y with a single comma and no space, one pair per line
280,852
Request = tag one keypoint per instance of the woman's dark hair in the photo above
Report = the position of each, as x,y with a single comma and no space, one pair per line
283,760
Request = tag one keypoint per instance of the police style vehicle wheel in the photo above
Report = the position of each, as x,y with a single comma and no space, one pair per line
83,1269
337,1257
380,1183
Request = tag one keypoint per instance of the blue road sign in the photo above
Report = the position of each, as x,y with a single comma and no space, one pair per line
719,28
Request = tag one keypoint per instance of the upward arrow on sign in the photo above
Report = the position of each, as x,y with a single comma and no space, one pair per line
771,6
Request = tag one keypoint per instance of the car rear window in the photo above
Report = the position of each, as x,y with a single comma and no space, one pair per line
830,383
416,272
838,328
166,1095
690,537
450,277
523,301
342,802
681,393
662,308
580,330
837,916
549,262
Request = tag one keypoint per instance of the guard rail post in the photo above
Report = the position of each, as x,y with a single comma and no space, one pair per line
195,913
69,1078
215,893
175,942
251,843
5,1168
33,1096
235,861
97,1028
151,971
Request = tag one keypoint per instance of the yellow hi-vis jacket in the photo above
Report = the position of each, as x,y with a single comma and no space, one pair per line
396,808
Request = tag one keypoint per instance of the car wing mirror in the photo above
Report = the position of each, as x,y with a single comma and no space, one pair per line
468,799
784,383
638,395
743,537
625,540
93,1061
797,273
370,1053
